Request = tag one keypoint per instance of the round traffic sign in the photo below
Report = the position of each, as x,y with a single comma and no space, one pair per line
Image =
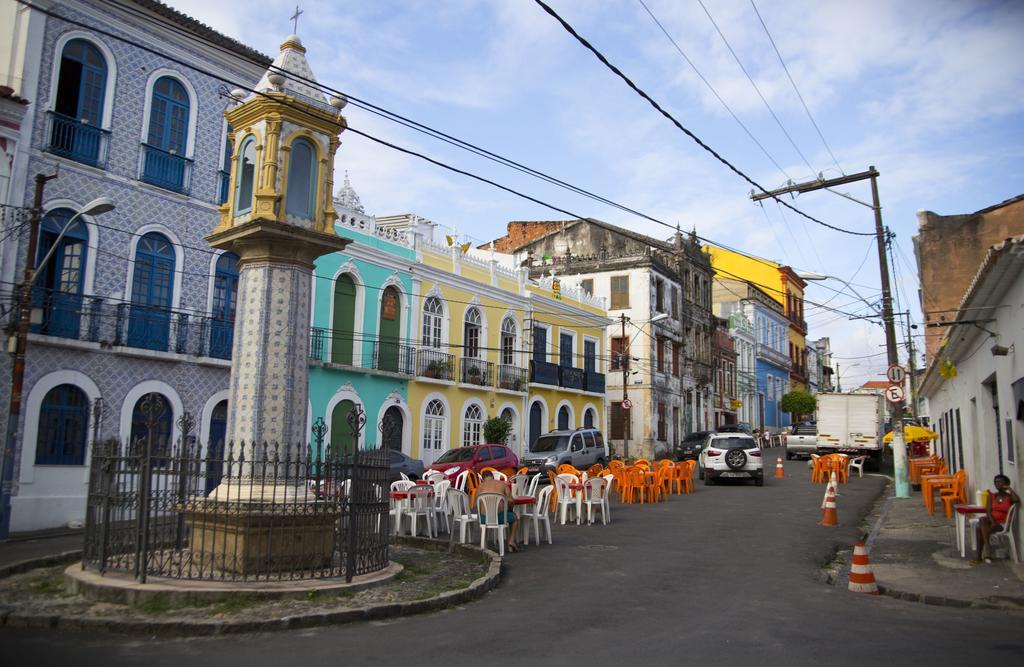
894,393
896,374
626,404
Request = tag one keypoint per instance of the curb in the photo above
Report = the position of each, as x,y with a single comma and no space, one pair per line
10,617
20,566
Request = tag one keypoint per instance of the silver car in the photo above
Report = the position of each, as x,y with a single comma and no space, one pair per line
581,448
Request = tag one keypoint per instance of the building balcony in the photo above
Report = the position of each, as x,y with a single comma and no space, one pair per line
773,356
594,382
476,371
76,139
393,357
348,349
543,372
571,378
166,170
512,378
435,364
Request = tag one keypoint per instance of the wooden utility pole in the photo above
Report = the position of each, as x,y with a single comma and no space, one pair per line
912,366
18,366
624,356
895,409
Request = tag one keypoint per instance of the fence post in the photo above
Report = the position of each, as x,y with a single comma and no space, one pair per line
186,422
356,420
153,408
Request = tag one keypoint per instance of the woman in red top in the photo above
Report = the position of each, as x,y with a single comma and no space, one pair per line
996,510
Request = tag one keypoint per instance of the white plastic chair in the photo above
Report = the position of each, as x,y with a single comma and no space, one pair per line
460,480
1009,534
857,464
491,508
398,506
459,512
500,476
595,491
534,483
520,485
536,515
420,504
434,476
610,478
404,477
567,501
441,503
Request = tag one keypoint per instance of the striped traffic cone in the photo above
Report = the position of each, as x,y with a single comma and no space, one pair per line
862,579
780,470
828,517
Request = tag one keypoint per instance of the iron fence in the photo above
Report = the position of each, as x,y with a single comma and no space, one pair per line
237,512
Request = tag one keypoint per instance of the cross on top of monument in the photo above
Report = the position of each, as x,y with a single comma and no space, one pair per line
295,19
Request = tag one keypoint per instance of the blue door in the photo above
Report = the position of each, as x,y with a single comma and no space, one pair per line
540,343
215,446
59,289
536,417
152,285
168,135
565,349
78,108
225,295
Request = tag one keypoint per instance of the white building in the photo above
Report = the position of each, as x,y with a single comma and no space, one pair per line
974,386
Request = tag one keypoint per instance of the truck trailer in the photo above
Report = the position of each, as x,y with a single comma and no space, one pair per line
852,424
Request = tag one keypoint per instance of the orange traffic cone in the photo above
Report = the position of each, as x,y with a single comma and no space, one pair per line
780,470
829,518
862,579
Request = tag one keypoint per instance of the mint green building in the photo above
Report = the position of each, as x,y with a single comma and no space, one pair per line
360,352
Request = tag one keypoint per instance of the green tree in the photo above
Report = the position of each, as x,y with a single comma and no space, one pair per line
798,403
497,430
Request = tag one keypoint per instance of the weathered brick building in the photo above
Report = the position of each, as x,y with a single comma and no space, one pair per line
949,249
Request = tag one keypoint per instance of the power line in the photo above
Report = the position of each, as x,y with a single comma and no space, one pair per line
756,89
795,89
712,89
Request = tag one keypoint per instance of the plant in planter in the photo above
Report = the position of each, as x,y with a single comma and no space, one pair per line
474,376
438,370
497,430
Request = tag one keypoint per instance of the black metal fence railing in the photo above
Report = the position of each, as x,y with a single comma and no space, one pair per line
394,357
476,371
595,382
543,372
512,378
257,512
570,377
435,364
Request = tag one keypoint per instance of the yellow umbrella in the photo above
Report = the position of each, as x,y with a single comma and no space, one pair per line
913,434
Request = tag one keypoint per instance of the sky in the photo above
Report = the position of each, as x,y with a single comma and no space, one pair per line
927,91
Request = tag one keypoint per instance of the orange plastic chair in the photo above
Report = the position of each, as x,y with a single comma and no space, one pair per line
595,470
679,477
523,471
642,462
818,471
509,472
944,487
554,490
473,481
957,493
567,468
663,481
691,467
487,469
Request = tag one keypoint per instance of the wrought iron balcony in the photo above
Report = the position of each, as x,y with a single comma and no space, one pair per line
476,371
773,356
543,372
92,319
77,139
594,382
571,378
435,364
512,378
393,357
165,169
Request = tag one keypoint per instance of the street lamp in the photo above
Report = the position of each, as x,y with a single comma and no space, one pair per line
97,206
808,276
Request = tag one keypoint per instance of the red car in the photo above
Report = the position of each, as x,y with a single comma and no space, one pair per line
476,458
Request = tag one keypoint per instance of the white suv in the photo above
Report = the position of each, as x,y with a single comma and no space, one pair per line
731,455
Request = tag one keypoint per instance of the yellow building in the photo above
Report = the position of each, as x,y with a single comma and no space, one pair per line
781,283
492,343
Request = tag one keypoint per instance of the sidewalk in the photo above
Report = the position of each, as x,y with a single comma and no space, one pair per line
43,544
914,557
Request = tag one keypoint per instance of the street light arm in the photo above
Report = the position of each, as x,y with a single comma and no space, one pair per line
95,207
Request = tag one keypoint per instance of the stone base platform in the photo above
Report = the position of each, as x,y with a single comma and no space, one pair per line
122,588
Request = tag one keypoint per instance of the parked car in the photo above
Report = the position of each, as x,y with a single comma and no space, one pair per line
739,427
413,468
731,456
802,440
692,445
475,457
580,448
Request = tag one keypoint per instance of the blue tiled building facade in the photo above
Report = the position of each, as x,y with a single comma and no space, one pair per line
131,302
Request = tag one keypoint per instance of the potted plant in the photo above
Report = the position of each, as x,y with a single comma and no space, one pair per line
497,430
474,376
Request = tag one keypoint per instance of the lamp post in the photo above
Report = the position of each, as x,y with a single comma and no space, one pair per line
95,207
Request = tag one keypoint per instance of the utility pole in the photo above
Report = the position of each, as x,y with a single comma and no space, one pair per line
839,381
624,356
899,451
18,366
912,364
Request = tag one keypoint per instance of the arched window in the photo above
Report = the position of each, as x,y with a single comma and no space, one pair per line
344,320
433,315
342,432
215,446
563,418
225,297
472,426
433,430
300,199
76,130
165,162
63,427
588,418
152,291
471,333
156,407
246,178
508,341
58,288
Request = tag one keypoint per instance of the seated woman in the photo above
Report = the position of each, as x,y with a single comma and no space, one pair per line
996,510
490,485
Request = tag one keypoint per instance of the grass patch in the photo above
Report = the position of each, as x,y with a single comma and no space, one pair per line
157,604
234,605
47,584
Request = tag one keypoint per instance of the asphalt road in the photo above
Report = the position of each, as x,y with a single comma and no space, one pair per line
729,573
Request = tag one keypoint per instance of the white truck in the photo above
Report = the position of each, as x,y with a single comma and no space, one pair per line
852,424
